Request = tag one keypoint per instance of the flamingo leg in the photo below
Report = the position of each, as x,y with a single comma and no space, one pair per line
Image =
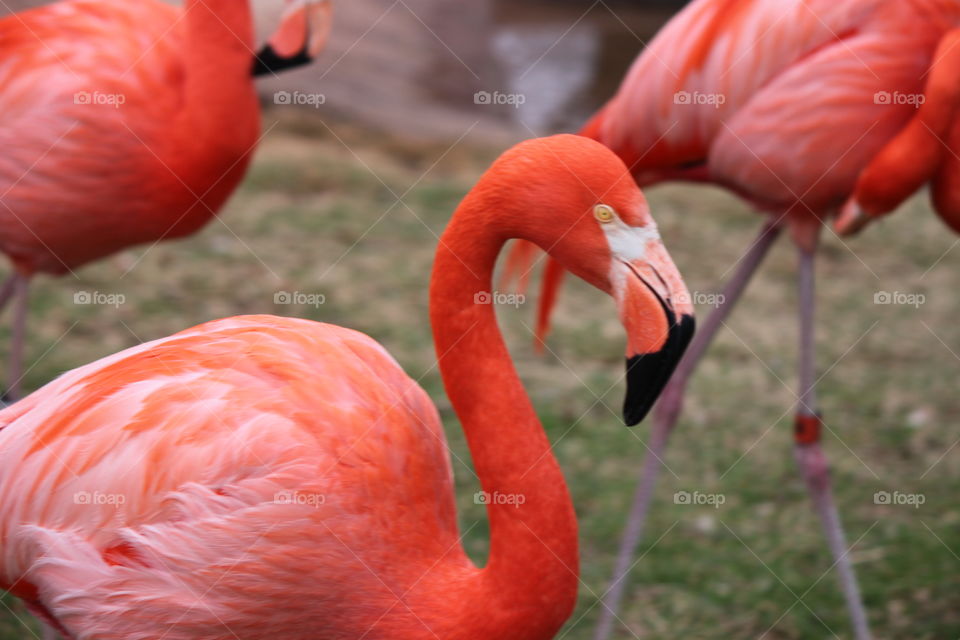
15,367
665,418
6,291
809,454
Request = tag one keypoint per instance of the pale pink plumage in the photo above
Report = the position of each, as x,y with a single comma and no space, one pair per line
798,79
222,424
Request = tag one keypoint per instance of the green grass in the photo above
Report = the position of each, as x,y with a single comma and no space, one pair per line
302,222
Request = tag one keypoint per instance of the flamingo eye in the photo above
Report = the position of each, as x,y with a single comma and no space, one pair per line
604,213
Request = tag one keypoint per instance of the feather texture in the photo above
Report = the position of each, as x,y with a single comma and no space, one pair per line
248,450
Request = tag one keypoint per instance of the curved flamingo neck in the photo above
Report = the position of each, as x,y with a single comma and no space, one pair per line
533,565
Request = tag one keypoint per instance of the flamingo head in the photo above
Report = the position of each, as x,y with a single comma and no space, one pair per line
582,206
302,35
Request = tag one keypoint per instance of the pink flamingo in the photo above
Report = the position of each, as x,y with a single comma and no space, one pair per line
797,106
271,478
126,123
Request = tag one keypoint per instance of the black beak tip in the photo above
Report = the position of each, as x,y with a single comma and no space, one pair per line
648,374
635,415
268,62
643,386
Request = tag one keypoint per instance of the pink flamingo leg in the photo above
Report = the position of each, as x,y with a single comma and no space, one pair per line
6,291
809,454
665,418
20,287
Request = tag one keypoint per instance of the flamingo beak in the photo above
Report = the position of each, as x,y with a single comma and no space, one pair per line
301,36
656,312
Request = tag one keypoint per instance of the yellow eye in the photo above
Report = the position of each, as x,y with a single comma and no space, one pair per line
604,213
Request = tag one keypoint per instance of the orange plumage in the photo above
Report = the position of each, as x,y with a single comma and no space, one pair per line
124,123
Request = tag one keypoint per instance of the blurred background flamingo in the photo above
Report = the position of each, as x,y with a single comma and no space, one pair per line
797,107
268,477
126,123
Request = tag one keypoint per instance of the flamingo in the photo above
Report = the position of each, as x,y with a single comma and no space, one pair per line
126,123
265,477
803,108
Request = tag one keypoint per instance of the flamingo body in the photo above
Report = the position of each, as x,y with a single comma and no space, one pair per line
246,454
123,123
776,100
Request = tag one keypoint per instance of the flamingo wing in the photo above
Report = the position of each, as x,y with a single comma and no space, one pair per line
806,135
191,487
711,62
